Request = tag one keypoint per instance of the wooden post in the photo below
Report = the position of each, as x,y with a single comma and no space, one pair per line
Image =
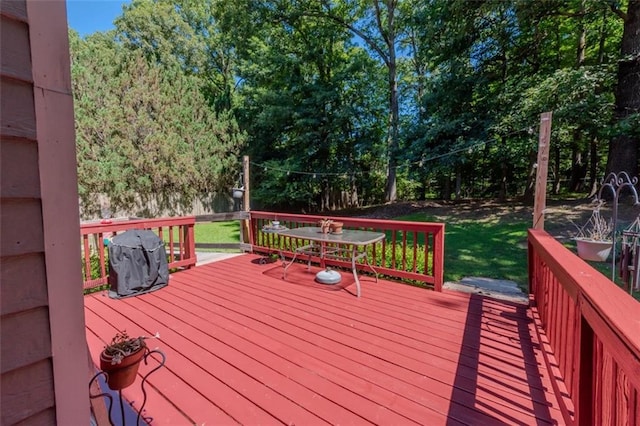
246,201
540,201
245,176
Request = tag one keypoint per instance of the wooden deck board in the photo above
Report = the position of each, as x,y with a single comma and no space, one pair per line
244,346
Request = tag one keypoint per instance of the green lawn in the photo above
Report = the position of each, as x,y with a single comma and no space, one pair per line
485,248
214,233
217,233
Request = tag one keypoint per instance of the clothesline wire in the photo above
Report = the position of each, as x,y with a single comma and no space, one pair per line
420,162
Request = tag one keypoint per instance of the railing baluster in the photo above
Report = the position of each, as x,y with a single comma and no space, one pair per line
404,250
171,244
87,258
393,249
415,252
427,262
181,238
103,272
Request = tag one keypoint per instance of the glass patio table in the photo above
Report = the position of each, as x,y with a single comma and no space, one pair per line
331,245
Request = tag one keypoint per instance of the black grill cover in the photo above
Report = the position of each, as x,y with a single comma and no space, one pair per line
137,263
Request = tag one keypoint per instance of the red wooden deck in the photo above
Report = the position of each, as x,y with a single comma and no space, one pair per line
244,346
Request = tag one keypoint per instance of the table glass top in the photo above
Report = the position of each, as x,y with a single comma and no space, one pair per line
348,236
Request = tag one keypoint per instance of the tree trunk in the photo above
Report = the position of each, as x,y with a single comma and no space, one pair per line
623,149
390,191
530,188
578,170
502,195
582,38
446,186
556,172
593,167
394,115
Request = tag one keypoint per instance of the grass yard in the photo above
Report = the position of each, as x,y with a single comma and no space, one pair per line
473,248
213,233
495,248
492,246
217,233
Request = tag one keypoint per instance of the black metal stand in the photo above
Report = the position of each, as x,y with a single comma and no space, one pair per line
616,183
109,394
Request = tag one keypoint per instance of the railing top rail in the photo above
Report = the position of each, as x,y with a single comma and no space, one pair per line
353,221
92,228
581,280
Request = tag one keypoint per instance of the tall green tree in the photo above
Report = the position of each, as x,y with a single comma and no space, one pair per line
311,104
382,99
377,24
144,130
185,34
497,66
623,149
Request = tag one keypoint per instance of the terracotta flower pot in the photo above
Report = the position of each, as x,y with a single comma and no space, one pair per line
336,227
123,374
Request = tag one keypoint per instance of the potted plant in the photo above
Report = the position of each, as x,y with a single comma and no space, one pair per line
121,358
595,239
336,227
325,225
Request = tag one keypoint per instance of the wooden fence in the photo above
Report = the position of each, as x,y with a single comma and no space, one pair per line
411,251
177,232
589,329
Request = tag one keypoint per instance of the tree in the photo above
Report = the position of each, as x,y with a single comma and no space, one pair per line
311,106
145,131
382,99
623,148
377,24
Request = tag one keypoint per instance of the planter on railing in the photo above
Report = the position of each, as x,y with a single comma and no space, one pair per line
411,251
95,237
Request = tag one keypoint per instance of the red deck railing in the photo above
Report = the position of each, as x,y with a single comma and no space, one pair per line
411,250
590,330
177,232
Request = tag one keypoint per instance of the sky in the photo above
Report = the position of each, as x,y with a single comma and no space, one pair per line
89,16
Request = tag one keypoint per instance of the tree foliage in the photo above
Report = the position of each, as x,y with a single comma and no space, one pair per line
345,102
147,135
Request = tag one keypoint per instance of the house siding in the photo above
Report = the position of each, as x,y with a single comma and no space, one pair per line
41,312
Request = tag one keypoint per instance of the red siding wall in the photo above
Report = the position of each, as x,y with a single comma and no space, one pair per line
38,307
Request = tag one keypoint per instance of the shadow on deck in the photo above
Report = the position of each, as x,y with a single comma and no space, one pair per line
244,346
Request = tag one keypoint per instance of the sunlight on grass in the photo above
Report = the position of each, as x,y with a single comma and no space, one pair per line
213,232
487,248
217,233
